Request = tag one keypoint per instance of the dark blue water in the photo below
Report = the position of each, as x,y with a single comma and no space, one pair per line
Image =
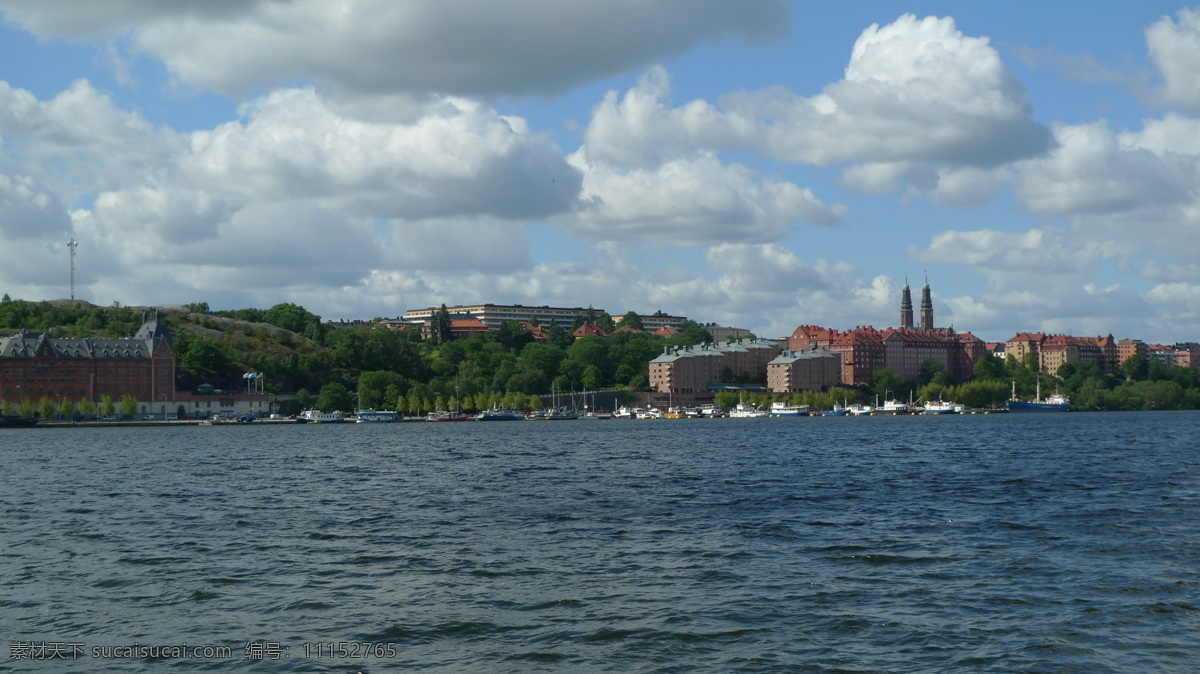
1003,543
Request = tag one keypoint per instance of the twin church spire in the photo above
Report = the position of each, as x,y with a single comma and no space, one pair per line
906,306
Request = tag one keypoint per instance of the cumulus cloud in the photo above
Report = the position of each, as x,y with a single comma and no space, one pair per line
1029,259
914,90
1092,172
459,158
690,201
292,185
28,212
1174,46
79,141
469,47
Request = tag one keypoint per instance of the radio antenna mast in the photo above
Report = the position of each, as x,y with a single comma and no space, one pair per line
72,244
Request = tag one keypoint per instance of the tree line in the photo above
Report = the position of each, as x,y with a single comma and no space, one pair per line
369,366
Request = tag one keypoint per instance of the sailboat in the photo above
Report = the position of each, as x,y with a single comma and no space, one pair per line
451,415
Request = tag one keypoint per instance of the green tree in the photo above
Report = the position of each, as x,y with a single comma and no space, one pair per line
106,405
25,407
692,333
931,371
47,408
989,367
439,328
886,383
290,316
334,398
727,399
373,388
128,405
204,356
512,335
632,318
87,408
67,409
592,377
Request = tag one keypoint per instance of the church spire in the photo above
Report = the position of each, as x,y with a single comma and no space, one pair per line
906,309
926,306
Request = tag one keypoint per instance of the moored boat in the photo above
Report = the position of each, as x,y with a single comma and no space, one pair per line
1054,403
375,416
9,421
500,414
782,409
942,407
744,411
319,417
443,415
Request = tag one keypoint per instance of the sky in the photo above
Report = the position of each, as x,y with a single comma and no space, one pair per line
761,164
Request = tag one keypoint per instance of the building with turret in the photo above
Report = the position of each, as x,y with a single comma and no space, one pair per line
37,365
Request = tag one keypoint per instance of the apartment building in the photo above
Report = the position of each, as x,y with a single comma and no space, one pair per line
690,370
814,369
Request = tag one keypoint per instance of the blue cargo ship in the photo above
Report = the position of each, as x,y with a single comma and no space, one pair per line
1055,403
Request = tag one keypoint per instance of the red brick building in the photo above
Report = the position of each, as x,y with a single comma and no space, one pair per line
37,365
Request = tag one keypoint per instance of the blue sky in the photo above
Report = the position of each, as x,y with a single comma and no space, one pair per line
762,165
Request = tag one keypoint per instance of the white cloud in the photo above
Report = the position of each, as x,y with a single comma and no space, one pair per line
28,212
1175,49
459,158
1091,172
1174,134
470,47
914,91
690,201
967,187
79,142
1036,259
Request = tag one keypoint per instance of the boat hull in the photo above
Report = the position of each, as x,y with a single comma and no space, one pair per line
17,422
1024,406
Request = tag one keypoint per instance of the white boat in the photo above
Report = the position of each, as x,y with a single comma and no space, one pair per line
375,416
445,415
782,409
942,407
744,411
893,406
624,412
500,414
649,413
860,410
597,414
711,411
319,417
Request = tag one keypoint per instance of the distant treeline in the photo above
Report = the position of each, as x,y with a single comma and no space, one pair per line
371,366
296,352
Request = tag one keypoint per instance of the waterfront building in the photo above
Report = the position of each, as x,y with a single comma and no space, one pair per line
1051,352
38,365
693,370
862,354
814,369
